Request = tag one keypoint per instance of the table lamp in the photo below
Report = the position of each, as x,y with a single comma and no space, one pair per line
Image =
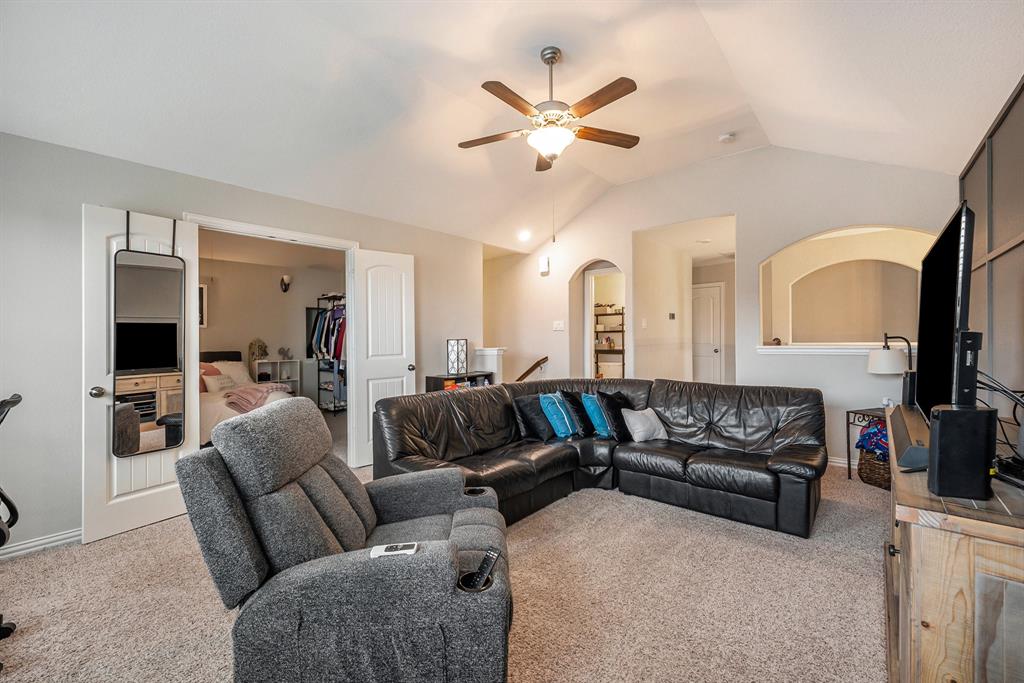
889,361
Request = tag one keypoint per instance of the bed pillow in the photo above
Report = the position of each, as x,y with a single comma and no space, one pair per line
204,370
216,383
573,401
532,419
644,425
236,370
612,406
596,415
558,415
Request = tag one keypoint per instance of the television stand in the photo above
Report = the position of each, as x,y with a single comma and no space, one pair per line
954,576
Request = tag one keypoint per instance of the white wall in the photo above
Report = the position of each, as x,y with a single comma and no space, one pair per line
245,301
778,196
663,309
43,188
726,274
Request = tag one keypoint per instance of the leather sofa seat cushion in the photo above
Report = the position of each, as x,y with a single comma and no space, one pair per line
737,472
659,457
547,459
506,475
593,450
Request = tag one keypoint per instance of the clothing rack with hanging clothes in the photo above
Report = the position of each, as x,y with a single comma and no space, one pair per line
328,342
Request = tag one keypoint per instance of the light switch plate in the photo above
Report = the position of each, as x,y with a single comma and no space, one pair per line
643,323
558,326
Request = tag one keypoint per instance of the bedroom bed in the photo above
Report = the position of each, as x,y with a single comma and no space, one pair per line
213,405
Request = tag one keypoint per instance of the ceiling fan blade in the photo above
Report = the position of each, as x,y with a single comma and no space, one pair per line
620,87
491,138
542,163
506,95
608,137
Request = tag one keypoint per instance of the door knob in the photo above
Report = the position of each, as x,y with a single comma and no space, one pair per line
716,350
97,392
412,367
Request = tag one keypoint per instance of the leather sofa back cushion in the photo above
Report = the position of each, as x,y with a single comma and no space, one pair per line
636,390
532,421
745,418
447,425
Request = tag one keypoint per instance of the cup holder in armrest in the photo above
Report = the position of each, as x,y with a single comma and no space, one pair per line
474,491
465,577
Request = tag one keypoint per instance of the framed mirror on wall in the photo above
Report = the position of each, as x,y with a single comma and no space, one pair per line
148,351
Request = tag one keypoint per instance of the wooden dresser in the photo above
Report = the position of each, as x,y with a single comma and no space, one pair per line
954,572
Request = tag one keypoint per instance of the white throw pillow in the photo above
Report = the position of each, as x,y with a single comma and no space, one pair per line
236,370
644,425
216,383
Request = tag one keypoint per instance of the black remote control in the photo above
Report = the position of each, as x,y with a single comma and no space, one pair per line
479,577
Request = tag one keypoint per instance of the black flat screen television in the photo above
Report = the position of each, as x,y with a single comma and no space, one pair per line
943,311
146,347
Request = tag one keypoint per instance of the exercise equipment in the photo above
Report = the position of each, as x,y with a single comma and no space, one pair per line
7,627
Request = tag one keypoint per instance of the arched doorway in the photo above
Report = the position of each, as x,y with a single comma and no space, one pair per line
597,330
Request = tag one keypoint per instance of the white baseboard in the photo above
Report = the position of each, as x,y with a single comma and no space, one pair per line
34,544
841,462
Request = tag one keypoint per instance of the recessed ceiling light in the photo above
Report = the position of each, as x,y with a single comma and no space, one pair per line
523,235
726,138
704,241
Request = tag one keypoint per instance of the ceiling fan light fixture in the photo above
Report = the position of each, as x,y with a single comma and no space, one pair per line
550,141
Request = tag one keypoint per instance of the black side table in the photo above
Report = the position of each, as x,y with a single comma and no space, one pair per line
858,417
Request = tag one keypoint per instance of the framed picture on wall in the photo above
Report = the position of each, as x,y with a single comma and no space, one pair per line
202,305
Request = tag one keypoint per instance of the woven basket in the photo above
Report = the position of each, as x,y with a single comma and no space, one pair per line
872,471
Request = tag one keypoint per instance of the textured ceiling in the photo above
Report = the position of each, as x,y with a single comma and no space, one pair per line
360,105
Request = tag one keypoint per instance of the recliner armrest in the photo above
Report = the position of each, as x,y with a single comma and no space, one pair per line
806,462
420,494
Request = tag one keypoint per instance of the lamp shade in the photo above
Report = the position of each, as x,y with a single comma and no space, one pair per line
887,362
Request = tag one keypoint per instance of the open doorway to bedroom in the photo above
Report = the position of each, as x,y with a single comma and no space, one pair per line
273,318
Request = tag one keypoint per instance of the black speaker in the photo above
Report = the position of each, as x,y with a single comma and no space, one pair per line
909,388
961,448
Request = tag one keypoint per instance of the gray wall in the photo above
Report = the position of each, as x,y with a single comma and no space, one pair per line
43,188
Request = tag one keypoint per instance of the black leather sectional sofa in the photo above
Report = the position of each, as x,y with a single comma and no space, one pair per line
748,453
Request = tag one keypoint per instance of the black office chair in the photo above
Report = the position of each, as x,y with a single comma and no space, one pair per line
7,627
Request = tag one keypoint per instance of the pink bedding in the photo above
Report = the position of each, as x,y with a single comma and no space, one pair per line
251,396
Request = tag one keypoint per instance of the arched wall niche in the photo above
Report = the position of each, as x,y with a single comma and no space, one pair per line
863,278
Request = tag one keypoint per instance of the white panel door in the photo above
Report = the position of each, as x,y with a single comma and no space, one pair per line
382,355
119,494
708,359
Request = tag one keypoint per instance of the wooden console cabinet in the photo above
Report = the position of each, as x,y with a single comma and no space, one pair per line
954,573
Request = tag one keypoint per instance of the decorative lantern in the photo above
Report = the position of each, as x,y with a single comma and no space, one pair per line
458,356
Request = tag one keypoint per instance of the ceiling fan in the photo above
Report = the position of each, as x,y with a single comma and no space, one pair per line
554,122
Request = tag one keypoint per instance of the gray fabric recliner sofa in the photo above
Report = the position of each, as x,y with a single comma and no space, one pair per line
285,529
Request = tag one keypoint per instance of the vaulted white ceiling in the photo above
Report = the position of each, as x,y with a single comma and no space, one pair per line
360,105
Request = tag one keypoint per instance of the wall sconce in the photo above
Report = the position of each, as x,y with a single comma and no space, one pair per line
286,282
544,265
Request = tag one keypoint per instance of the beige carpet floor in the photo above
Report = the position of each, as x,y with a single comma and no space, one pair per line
607,587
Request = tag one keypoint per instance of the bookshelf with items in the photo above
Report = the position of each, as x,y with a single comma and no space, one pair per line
609,337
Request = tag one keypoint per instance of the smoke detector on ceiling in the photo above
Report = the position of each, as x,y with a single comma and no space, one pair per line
727,138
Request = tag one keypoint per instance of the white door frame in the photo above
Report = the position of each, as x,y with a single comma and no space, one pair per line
310,239
588,319
720,286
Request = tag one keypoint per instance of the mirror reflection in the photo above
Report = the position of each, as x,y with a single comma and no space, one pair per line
149,397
